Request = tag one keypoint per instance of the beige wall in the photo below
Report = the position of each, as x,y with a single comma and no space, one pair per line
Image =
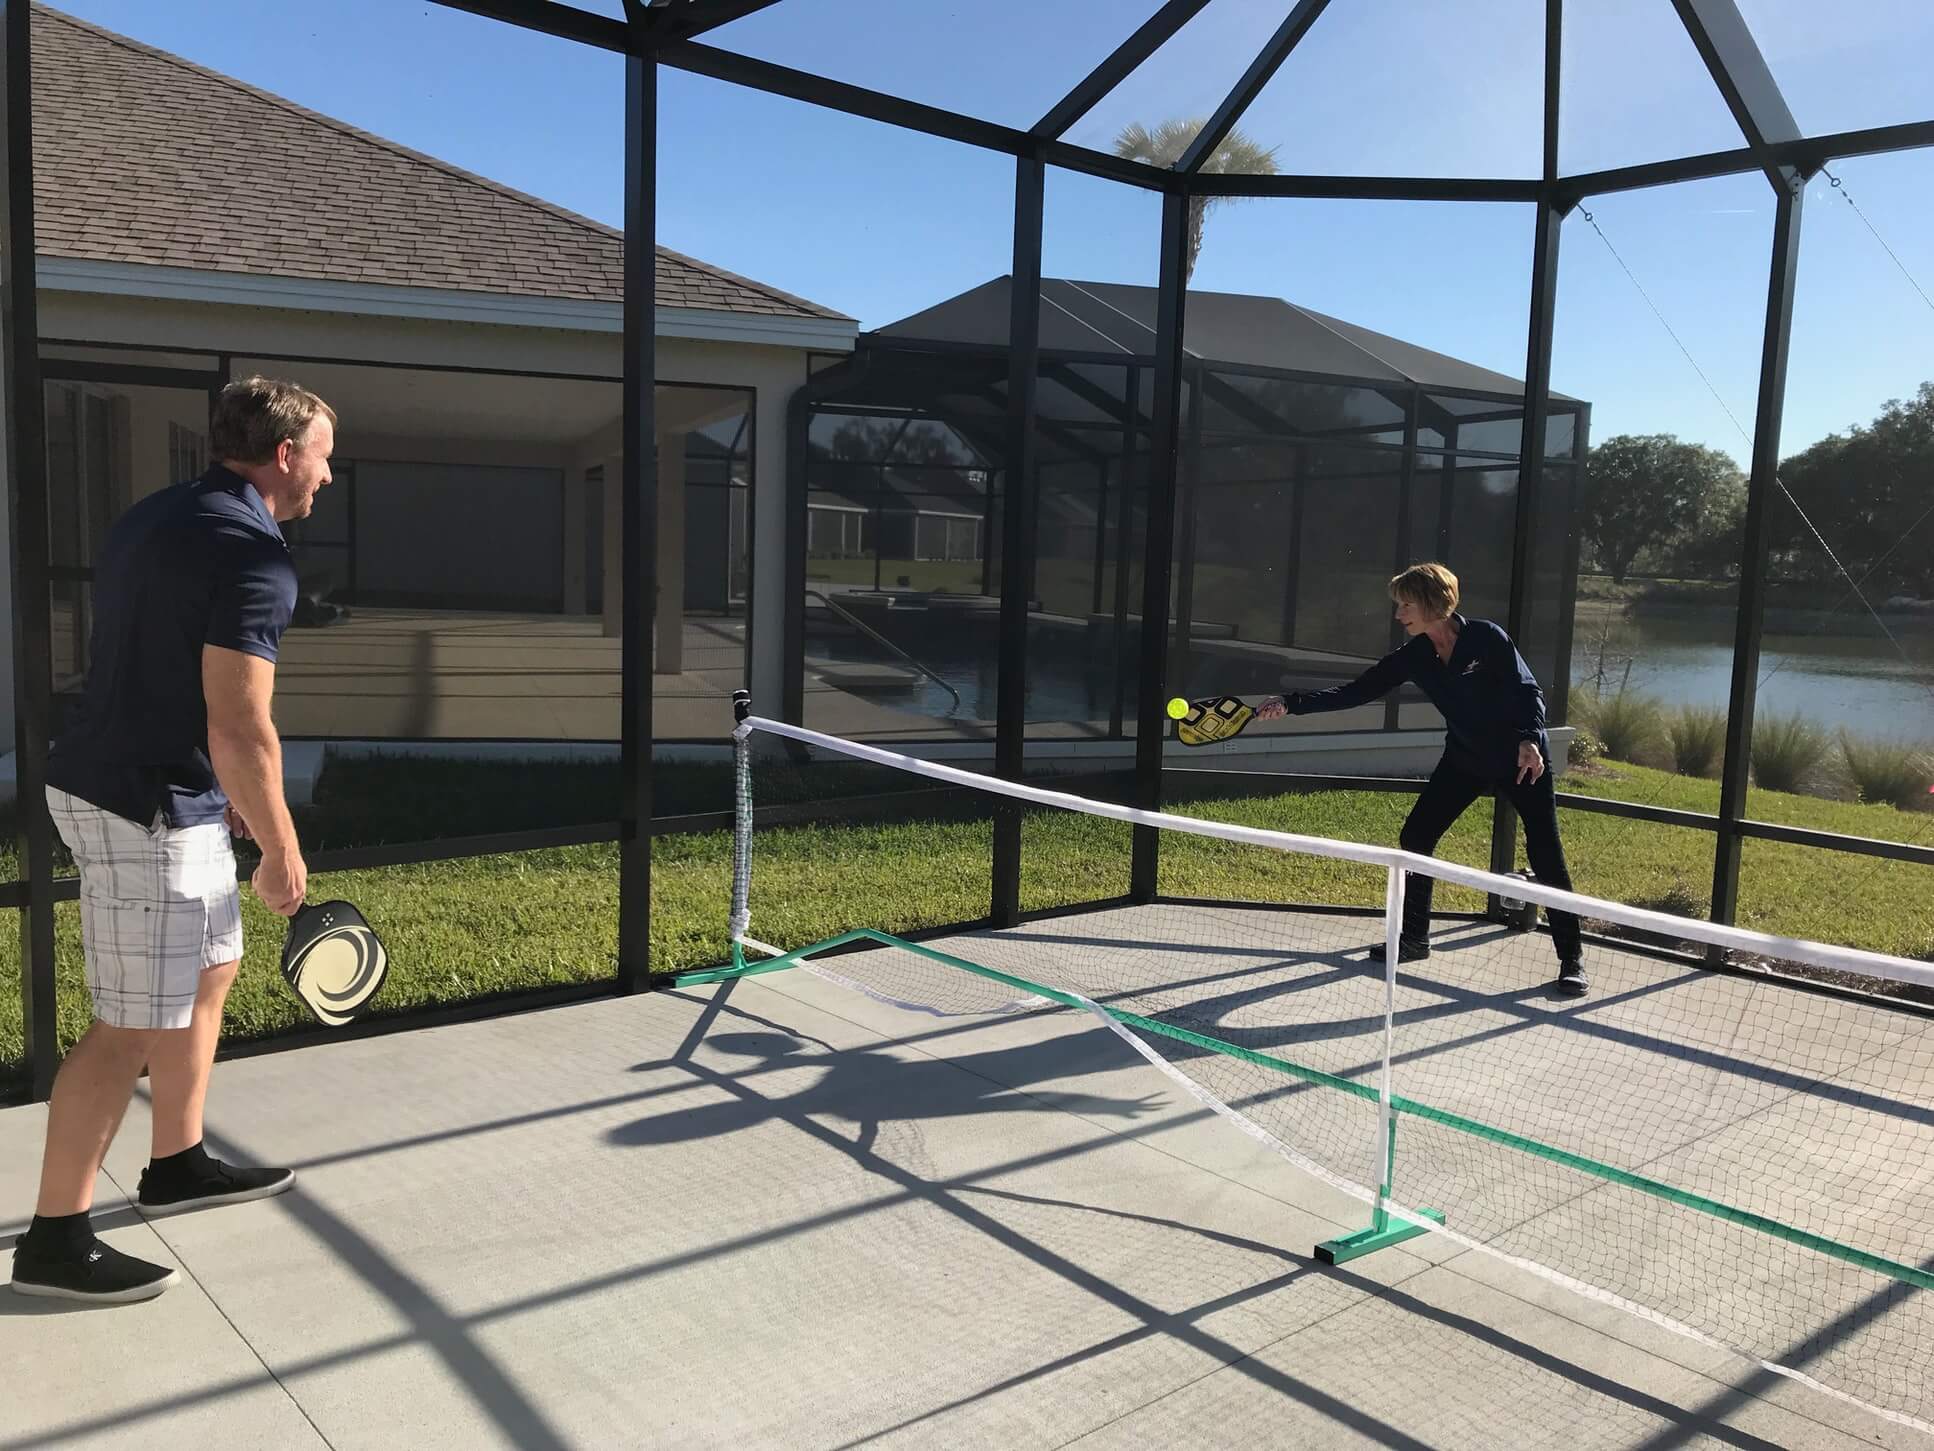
149,412
774,372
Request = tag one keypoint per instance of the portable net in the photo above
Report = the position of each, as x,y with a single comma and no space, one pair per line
1743,1158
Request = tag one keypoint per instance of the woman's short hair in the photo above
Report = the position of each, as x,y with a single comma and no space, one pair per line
254,415
1430,587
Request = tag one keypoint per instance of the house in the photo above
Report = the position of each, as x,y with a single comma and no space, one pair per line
1317,457
460,576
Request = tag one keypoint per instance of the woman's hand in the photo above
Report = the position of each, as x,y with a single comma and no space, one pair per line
1531,763
1272,708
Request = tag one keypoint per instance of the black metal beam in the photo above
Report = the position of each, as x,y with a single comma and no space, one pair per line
1760,487
1131,436
1725,43
1070,157
566,22
1549,230
1122,410
1531,452
1554,85
976,431
778,80
1154,33
798,523
1638,811
1294,27
1366,188
1868,846
1299,483
638,481
1558,697
1811,152
128,373
1401,557
1274,425
695,17
798,85
1151,723
1901,851
26,464
1017,531
1806,155
1188,512
1656,173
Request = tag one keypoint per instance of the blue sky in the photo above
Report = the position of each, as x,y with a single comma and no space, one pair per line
880,223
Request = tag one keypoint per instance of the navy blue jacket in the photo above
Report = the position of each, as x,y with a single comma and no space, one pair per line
1487,695
201,563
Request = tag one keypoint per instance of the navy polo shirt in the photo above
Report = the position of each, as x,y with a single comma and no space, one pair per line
1487,695
201,563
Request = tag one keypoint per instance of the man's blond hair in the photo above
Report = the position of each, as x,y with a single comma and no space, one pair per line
255,415
1430,587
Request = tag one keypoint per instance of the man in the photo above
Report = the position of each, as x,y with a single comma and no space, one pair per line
172,750
1494,744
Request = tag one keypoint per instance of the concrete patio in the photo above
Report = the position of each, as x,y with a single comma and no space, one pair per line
776,1213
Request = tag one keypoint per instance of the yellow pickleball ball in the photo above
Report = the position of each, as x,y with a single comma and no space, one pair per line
1177,708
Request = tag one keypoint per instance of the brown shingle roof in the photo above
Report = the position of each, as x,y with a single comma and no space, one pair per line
136,160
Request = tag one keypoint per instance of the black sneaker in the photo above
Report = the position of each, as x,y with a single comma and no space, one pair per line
99,1273
1409,949
216,1183
1571,979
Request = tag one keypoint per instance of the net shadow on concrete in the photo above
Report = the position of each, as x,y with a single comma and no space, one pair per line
1001,1233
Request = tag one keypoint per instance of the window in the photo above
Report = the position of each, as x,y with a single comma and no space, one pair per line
187,453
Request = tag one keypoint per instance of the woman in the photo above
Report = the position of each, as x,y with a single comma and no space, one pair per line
1494,742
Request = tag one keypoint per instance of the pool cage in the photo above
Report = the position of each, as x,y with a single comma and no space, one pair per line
1316,459
1112,492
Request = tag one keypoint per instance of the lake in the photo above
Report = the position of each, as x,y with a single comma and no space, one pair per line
1680,654
1830,670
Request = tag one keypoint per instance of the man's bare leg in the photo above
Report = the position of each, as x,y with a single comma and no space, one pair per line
91,1093
181,1174
60,1256
179,1065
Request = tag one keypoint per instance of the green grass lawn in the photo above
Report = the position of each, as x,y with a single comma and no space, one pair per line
463,928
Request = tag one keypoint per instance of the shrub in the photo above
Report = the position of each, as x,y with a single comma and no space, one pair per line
1786,750
1625,724
1585,745
1888,772
1698,734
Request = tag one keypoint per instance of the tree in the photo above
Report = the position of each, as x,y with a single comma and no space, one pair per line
1867,491
1710,547
1654,493
1164,146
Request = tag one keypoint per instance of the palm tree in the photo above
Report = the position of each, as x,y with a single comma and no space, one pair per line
1164,147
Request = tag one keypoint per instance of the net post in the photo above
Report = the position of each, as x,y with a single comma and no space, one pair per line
1381,1233
741,918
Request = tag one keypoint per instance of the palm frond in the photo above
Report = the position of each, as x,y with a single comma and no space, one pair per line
1164,146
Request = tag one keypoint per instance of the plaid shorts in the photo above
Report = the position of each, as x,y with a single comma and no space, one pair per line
158,905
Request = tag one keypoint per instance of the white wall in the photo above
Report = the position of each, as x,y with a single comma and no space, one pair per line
774,372
149,412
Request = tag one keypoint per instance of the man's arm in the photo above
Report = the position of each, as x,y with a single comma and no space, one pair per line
247,755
